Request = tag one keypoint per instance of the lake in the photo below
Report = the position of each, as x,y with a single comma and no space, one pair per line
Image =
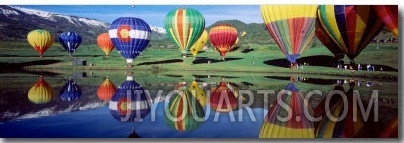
234,105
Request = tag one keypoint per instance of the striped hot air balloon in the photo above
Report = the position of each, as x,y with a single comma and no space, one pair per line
105,43
106,90
198,93
185,113
291,26
129,103
41,40
70,41
352,27
223,37
200,43
41,92
328,42
70,91
130,36
222,99
287,118
389,15
184,26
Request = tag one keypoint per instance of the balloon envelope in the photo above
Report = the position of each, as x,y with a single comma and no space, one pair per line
106,90
130,36
41,92
70,91
184,26
291,26
222,99
41,40
352,27
105,43
70,41
389,15
198,93
198,45
328,42
223,37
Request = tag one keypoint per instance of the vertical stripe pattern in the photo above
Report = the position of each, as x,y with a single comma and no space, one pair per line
223,37
70,41
41,92
41,40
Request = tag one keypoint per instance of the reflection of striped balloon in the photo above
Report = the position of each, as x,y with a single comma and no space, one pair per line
389,15
129,103
298,126
70,91
291,26
198,93
40,40
106,90
41,92
222,99
105,43
130,36
352,27
185,111
223,37
70,41
184,26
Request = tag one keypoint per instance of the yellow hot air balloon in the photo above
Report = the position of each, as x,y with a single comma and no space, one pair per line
41,92
198,93
200,43
41,40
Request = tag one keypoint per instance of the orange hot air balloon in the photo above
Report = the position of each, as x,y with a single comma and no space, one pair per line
106,90
105,43
222,99
223,37
41,92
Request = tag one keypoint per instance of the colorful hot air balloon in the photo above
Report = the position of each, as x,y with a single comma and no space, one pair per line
198,93
185,26
351,27
198,45
291,26
70,41
129,103
328,42
105,43
41,92
130,36
389,15
185,112
222,99
106,90
70,91
41,40
297,126
223,37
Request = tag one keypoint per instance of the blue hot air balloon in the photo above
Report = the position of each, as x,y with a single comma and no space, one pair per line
70,91
70,41
129,103
130,36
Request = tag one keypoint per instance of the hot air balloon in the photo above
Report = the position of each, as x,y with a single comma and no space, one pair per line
70,91
291,26
198,45
185,112
328,42
389,15
106,90
223,37
185,26
296,125
41,40
105,43
129,103
130,36
198,93
70,41
222,99
351,27
41,92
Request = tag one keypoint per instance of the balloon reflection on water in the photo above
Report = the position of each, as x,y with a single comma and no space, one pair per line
106,90
223,99
41,92
70,91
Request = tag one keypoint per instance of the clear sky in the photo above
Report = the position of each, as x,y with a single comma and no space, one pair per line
155,14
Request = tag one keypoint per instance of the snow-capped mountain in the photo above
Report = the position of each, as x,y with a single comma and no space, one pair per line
16,22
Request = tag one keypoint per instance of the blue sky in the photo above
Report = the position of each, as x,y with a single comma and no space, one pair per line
155,14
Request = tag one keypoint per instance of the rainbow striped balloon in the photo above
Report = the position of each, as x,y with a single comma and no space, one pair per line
185,26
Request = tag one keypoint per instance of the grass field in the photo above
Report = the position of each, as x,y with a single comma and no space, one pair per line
259,59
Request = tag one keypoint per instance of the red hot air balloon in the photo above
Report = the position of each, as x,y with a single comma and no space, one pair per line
105,43
222,99
106,90
328,42
223,37
389,15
